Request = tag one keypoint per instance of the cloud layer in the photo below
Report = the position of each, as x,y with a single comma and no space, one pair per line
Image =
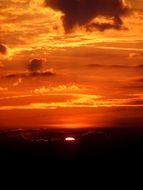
29,75
82,12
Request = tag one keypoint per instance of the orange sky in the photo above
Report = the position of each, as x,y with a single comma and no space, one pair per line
56,73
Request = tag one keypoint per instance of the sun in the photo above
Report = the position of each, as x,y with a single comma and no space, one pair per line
70,139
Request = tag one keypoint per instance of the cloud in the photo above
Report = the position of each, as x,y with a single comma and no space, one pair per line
47,73
110,66
114,66
104,26
82,12
35,65
3,49
60,88
76,101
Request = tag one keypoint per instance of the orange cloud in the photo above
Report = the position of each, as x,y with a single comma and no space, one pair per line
59,89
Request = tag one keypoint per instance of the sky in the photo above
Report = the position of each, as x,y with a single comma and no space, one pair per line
71,63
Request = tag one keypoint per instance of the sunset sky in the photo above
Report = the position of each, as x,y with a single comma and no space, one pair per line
71,63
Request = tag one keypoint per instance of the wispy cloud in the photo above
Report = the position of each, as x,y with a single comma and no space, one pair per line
76,101
58,89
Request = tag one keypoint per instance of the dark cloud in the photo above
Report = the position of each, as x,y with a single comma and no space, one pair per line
29,75
35,70
92,66
35,65
3,49
42,74
115,66
104,26
82,12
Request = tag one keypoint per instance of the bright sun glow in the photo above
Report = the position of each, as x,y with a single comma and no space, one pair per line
69,139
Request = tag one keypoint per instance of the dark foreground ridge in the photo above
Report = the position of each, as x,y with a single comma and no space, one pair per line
37,144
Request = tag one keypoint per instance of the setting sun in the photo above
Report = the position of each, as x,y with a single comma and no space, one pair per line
69,139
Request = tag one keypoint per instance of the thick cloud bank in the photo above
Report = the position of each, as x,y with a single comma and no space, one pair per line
81,12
